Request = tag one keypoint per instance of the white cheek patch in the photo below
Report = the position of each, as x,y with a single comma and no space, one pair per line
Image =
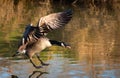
62,44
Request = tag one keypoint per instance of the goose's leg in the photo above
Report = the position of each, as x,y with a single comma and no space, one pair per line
59,43
34,64
44,64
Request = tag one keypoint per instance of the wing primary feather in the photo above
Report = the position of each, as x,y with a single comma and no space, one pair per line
54,20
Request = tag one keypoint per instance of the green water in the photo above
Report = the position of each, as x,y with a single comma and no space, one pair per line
93,35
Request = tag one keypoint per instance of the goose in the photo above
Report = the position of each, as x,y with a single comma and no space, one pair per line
34,38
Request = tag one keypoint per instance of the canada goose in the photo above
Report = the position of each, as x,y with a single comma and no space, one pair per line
34,39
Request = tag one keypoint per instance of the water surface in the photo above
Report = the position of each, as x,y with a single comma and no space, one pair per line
93,35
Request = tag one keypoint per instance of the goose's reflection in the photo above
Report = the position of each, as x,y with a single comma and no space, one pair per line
34,73
14,76
40,73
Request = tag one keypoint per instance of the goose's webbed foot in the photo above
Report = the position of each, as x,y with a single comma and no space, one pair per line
43,64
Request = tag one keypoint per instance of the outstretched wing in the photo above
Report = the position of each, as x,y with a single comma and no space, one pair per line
54,21
28,30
